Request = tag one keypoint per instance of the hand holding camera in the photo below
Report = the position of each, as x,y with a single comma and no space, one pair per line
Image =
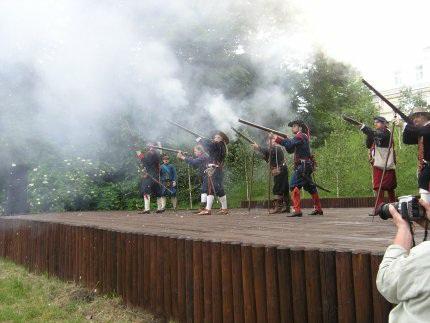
419,212
409,208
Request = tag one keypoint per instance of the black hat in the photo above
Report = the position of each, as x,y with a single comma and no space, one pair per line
419,112
223,136
300,123
380,119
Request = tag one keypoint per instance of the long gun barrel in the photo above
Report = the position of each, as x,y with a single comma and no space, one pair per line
351,120
186,129
243,136
383,98
170,149
278,133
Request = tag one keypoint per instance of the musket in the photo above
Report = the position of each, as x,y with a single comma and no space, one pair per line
392,106
243,136
169,149
186,129
276,132
351,120
145,172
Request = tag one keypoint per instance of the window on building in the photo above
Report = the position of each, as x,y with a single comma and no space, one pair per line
419,72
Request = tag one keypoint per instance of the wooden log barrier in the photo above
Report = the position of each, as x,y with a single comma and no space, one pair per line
345,287
327,265
285,285
381,308
298,285
189,280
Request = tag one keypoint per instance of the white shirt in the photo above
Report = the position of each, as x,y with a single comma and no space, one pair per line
405,280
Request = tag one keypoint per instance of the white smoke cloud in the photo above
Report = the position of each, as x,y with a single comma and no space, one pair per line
84,61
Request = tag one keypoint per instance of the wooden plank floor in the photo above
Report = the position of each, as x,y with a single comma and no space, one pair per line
341,229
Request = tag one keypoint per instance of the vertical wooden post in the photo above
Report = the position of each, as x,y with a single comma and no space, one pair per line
207,280
327,259
227,284
198,281
362,286
189,284
259,282
381,307
236,269
345,287
272,285
181,280
216,283
313,285
298,285
285,285
248,284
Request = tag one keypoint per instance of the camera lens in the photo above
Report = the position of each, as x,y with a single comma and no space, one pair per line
383,210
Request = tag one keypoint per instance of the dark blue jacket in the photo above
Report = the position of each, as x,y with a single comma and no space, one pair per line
198,162
168,173
299,145
216,150
151,162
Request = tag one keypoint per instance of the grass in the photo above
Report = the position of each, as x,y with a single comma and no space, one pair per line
26,297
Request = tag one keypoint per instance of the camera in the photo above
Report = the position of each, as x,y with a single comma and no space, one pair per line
408,206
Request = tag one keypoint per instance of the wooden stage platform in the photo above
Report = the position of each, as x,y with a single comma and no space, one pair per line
245,267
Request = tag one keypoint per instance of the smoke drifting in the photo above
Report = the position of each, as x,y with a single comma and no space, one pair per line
68,68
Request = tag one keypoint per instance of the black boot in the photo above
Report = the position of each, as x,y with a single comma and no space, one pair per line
286,205
317,212
277,207
295,215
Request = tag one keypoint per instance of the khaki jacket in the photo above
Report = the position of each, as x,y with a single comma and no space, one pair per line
404,279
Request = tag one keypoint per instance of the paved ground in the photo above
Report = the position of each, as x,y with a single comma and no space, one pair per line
349,229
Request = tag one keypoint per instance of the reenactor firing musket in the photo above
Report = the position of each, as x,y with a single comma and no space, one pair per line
276,132
352,121
241,135
392,106
186,129
170,149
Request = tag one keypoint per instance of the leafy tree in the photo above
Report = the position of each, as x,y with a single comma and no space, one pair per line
326,90
409,100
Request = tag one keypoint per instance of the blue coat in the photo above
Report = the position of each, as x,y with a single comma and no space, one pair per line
167,176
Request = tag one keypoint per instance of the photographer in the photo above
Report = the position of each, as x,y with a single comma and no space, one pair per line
404,273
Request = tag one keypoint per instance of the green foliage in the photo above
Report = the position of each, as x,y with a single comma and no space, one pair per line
409,100
326,90
344,168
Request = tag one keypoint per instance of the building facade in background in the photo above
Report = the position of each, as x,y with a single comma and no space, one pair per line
414,75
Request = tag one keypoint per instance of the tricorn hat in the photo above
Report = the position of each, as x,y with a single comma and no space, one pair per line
300,123
223,136
419,111
296,122
380,119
